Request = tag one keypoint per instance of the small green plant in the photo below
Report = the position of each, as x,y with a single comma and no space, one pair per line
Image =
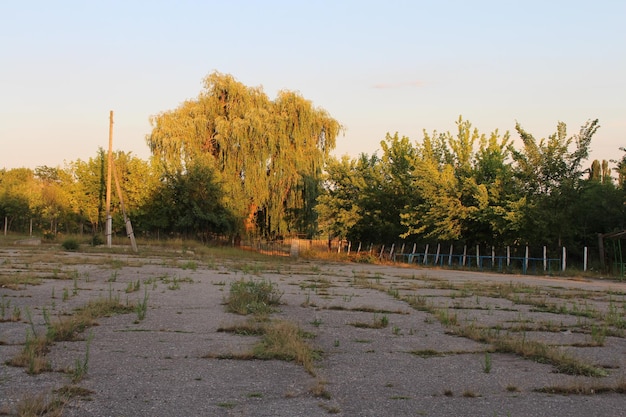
133,286
113,277
66,294
190,265
396,331
316,322
174,285
17,314
70,244
487,363
81,366
142,306
598,335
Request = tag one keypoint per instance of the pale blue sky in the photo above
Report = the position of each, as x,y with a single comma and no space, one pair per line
375,66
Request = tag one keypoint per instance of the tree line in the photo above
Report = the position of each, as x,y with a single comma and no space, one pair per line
476,189
234,162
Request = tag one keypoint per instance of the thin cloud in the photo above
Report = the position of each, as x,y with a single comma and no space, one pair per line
398,85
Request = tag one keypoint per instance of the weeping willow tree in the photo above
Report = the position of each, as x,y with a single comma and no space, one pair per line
267,155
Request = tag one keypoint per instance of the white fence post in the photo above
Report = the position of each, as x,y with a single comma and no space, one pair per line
425,255
545,259
437,255
564,259
450,259
585,259
526,260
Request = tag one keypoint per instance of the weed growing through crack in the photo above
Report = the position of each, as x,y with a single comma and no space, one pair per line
133,286
487,363
81,366
253,297
40,405
280,339
142,306
113,277
190,265
598,335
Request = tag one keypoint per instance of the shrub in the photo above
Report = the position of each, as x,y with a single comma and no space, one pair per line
97,240
70,244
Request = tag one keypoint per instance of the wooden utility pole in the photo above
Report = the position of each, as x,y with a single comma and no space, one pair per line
112,170
109,221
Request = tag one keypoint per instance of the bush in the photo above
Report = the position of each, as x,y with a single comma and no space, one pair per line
97,240
70,244
253,297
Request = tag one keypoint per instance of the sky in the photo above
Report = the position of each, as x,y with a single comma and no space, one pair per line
377,67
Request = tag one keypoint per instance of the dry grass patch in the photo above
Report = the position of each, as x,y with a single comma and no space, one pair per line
40,405
280,339
585,389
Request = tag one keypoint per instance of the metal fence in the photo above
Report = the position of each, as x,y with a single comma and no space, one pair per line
518,259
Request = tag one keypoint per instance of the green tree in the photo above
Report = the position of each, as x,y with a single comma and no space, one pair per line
19,197
190,203
549,173
267,153
338,206
461,192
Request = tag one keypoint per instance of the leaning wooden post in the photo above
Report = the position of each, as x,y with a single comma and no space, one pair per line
437,255
493,257
564,259
393,245
426,255
450,259
545,258
129,226
585,259
382,250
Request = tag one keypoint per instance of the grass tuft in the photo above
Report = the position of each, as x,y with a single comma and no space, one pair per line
253,297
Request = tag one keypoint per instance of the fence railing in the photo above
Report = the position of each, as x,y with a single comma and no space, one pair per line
522,259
